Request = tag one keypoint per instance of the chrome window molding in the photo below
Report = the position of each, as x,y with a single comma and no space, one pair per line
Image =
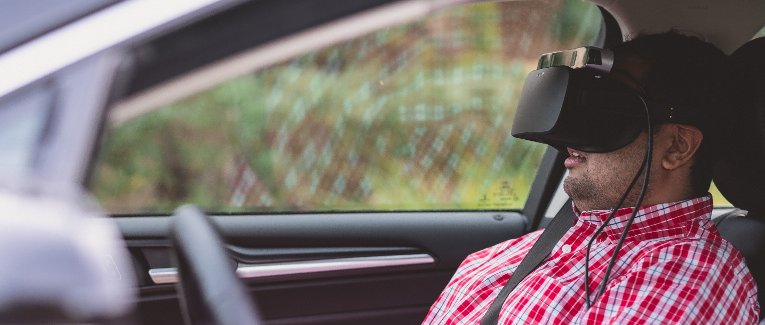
254,271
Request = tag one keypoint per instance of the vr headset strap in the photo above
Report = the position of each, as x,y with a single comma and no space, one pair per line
558,226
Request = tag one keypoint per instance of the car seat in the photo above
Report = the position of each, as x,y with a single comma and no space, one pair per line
739,174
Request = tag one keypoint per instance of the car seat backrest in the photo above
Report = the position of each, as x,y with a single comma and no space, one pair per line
740,173
748,236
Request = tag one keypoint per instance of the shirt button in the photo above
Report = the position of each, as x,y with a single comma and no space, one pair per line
566,249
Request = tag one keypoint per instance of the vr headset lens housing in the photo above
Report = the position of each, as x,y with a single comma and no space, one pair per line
580,108
583,57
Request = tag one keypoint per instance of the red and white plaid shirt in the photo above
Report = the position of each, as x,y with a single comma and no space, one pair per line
672,268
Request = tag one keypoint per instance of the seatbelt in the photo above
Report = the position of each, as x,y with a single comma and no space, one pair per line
561,223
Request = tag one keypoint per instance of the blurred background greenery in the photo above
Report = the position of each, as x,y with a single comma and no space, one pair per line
413,117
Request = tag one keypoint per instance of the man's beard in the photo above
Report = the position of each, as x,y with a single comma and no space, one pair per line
601,195
601,182
583,189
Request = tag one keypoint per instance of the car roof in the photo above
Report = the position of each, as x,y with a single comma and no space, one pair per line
727,24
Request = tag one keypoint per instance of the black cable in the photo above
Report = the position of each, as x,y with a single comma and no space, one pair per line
600,229
646,165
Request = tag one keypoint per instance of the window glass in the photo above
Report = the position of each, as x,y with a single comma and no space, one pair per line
412,117
23,119
718,199
759,34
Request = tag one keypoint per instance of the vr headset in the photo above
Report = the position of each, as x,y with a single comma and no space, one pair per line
571,100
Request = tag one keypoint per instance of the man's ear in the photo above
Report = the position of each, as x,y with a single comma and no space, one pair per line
685,141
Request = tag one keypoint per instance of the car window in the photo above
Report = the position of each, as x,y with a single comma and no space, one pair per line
718,199
23,119
412,117
759,34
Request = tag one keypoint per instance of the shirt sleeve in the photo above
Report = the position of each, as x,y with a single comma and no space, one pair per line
684,283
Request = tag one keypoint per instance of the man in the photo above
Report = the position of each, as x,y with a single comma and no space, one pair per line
673,266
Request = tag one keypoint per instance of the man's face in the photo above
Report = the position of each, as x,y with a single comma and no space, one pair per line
596,181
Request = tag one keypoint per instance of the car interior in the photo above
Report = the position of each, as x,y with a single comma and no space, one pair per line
210,141
402,294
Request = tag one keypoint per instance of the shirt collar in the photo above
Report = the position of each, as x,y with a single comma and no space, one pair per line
671,219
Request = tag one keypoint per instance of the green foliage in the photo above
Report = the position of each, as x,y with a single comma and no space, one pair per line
565,27
414,117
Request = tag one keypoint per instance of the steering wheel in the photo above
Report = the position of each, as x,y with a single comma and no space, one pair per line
209,290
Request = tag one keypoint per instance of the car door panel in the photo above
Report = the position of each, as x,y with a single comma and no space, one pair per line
380,292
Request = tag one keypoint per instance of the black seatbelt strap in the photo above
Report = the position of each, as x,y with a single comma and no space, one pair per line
561,223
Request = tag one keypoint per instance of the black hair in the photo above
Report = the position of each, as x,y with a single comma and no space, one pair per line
693,75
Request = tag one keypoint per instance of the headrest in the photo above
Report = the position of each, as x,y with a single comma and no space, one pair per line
740,172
